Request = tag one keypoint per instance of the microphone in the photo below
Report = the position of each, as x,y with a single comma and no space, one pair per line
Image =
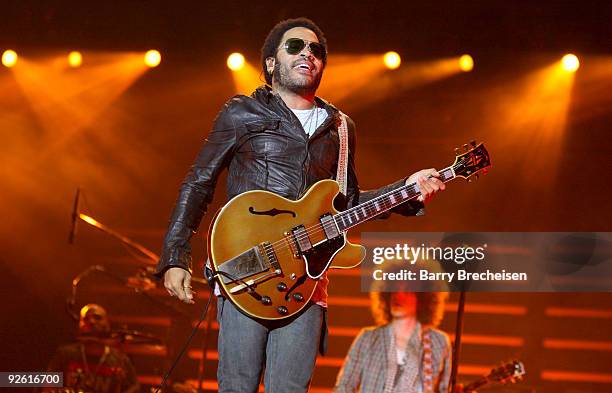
75,216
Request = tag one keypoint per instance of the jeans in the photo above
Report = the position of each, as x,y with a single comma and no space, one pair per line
287,348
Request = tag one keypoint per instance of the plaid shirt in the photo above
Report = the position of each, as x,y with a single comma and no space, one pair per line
366,365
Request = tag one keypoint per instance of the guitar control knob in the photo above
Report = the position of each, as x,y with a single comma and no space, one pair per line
266,301
298,297
282,310
281,286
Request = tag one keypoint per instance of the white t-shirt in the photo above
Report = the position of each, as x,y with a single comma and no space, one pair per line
311,119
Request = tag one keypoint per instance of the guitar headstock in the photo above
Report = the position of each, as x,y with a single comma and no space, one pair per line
474,160
509,372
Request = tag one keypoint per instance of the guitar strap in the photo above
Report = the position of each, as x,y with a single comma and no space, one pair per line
341,174
427,375
403,379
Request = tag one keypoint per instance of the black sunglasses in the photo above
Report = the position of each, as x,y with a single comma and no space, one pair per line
293,46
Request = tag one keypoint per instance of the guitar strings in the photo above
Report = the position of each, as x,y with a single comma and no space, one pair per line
367,206
318,228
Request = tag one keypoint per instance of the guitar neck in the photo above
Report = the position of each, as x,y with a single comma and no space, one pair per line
381,204
475,385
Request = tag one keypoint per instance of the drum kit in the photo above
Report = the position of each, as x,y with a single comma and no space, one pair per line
142,281
124,338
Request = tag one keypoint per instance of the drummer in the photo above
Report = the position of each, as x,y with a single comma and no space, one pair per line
91,364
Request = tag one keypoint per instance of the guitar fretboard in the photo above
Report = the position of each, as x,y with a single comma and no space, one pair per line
372,208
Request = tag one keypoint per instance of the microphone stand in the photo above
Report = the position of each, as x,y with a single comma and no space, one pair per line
457,346
98,268
71,301
124,239
154,258
149,269
204,351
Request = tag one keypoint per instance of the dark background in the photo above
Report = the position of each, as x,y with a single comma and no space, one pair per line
130,159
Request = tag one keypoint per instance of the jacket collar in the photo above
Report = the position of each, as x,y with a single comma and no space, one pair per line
265,94
413,341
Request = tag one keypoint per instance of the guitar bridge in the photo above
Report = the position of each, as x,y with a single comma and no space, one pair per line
267,251
253,261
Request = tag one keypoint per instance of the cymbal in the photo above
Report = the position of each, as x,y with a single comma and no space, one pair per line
129,336
121,336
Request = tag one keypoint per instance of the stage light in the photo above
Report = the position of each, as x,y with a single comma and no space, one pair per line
9,58
235,61
152,58
75,59
466,63
89,220
71,99
392,60
570,63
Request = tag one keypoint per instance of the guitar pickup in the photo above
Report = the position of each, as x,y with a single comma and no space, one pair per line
301,239
329,226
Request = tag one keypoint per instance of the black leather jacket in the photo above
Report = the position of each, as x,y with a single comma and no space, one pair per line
264,147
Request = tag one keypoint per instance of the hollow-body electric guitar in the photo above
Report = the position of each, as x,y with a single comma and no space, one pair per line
267,252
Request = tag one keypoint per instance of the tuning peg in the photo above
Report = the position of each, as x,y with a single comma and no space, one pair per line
477,175
466,147
473,143
457,150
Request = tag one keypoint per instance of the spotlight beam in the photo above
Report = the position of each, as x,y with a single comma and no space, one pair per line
66,102
361,81
246,78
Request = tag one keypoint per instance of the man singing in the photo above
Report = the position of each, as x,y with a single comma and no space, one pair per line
281,139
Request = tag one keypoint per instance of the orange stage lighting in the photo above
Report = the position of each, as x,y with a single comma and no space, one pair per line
89,220
535,109
75,59
66,102
246,79
152,58
357,81
9,58
392,60
346,75
570,63
466,63
235,61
